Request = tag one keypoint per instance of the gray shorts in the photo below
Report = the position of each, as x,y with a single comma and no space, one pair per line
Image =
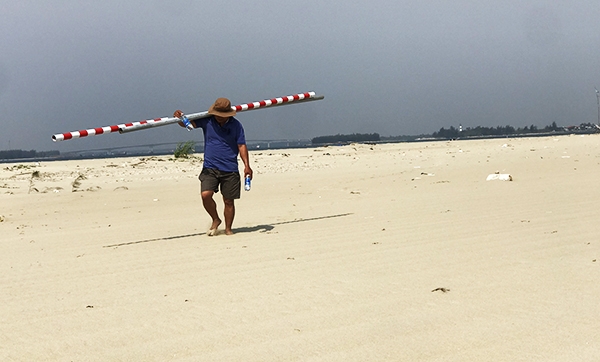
229,182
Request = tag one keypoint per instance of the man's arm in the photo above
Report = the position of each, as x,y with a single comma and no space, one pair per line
246,159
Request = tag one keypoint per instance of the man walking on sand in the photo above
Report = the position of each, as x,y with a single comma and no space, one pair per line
224,139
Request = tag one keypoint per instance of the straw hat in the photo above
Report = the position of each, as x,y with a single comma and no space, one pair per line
222,108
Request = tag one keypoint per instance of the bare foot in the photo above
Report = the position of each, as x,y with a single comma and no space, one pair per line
213,228
229,232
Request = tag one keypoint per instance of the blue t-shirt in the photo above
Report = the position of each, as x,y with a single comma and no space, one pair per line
221,143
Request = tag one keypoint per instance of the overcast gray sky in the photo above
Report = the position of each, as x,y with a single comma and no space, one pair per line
393,67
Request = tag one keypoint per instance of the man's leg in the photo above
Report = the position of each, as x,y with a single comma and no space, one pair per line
229,214
211,208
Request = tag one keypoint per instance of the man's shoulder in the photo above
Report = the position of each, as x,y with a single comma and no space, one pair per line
234,122
204,121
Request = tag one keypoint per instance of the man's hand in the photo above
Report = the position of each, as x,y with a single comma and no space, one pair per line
248,172
178,114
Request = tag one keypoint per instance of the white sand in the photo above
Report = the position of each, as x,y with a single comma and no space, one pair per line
336,255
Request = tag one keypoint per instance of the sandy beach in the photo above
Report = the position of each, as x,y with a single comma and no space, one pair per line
387,252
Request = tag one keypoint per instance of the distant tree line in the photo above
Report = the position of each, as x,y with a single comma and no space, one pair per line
344,138
12,154
454,132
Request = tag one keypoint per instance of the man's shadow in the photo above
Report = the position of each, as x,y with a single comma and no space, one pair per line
252,229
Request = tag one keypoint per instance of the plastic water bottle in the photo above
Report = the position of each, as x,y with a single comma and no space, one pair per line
247,183
187,123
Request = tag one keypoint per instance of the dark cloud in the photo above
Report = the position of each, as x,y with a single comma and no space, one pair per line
543,27
4,80
392,67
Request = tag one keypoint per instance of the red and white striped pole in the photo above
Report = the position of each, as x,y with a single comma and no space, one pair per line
135,126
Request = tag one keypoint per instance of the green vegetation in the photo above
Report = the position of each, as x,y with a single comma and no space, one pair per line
184,149
453,132
499,131
341,138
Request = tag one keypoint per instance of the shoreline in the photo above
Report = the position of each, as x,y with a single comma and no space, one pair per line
256,145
